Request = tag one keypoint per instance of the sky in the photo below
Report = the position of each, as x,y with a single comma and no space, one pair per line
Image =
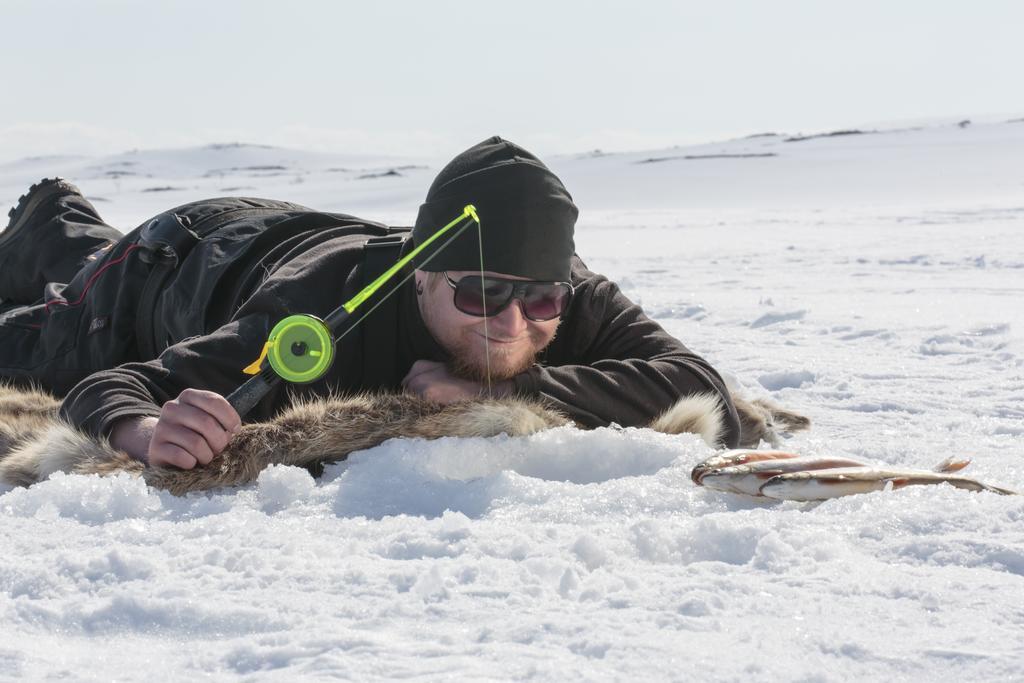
431,78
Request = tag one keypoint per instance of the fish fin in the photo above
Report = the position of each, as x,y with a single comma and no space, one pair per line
898,482
1001,491
951,464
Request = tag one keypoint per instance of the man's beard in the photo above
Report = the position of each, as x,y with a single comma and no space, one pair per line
468,360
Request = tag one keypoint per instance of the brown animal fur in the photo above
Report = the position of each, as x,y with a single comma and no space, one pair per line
23,413
762,420
34,443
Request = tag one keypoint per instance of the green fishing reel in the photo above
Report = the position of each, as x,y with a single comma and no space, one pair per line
300,349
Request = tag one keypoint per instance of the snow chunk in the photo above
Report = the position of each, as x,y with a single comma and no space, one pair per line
589,551
794,379
279,486
430,587
776,317
85,499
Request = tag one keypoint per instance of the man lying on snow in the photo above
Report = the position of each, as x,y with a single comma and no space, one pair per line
151,333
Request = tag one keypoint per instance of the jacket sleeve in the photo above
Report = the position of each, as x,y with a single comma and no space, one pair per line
211,362
611,363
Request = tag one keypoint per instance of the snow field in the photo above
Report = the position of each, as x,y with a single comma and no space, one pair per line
497,569
872,282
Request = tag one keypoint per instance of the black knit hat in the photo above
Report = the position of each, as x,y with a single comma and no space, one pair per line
527,214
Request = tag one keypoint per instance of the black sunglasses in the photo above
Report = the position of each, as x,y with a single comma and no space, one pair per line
489,296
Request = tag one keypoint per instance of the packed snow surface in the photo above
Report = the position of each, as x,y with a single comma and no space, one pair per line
873,281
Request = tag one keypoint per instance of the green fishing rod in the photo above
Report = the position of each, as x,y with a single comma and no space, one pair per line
300,348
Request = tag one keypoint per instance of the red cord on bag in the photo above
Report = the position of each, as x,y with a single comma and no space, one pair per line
89,283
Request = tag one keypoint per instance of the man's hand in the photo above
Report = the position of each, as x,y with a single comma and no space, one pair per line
191,430
432,380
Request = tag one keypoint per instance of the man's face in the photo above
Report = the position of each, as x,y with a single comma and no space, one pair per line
512,339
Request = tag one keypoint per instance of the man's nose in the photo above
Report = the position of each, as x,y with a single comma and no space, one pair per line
510,322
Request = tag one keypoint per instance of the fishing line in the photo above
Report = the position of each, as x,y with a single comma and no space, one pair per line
483,298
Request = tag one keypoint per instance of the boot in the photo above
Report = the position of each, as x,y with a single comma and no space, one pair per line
29,204
50,234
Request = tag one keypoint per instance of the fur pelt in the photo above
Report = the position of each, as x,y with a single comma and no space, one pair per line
35,443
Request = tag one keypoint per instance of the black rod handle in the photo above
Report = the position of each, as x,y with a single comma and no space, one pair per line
244,398
335,319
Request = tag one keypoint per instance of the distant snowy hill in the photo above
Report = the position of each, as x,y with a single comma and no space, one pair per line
851,168
154,180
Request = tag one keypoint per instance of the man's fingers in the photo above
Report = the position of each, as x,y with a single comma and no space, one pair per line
190,417
417,384
214,404
164,454
420,367
418,370
192,442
